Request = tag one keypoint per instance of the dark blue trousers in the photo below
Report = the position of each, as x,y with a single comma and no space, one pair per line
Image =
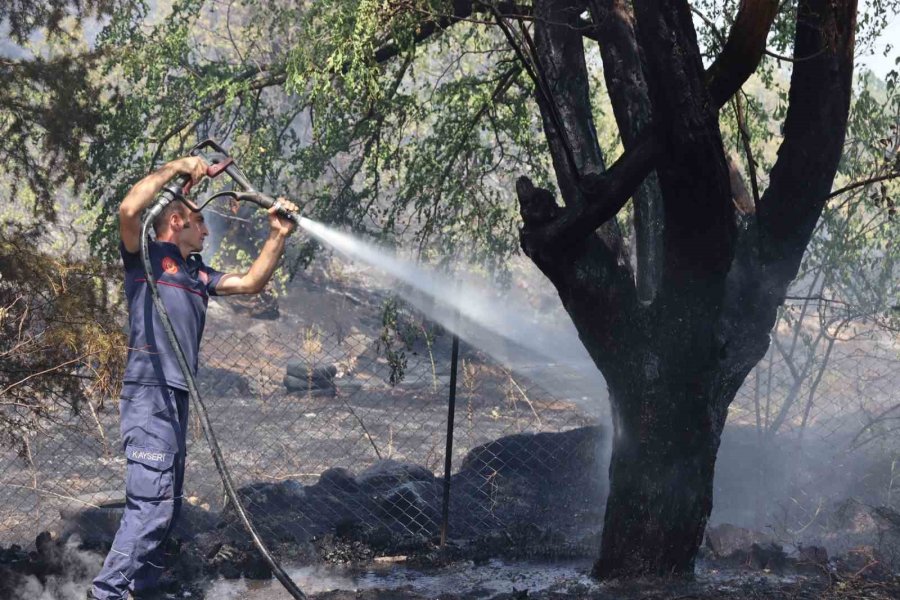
154,422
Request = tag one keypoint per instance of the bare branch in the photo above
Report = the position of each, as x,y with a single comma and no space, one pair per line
863,183
45,371
814,131
608,191
748,151
743,49
742,200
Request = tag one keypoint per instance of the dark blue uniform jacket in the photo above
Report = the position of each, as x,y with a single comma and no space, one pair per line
185,287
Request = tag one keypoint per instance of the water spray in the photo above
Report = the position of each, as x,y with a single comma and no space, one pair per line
176,191
552,353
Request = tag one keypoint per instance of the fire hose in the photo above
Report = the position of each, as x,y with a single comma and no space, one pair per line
176,191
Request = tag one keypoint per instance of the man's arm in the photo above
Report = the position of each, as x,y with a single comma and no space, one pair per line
145,191
255,280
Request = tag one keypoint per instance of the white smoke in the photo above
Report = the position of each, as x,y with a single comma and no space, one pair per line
76,569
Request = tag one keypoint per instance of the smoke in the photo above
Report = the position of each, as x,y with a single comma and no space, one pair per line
494,577
311,579
65,574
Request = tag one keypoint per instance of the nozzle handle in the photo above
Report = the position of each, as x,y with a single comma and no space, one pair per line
267,202
219,160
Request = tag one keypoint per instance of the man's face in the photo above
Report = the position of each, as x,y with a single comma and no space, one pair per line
193,231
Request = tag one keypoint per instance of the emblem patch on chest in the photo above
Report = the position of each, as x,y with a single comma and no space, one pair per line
169,265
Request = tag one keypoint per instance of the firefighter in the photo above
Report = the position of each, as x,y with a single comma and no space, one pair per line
153,407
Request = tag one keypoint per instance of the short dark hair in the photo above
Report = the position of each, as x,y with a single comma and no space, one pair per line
175,207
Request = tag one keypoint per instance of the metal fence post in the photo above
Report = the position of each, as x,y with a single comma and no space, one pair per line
448,452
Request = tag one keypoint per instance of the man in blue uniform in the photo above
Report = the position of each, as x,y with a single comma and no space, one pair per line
154,401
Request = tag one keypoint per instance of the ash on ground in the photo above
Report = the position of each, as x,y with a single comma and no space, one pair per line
509,533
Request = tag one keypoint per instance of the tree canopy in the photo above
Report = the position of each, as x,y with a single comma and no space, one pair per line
406,119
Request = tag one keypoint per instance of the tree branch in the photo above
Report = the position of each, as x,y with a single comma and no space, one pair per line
564,101
743,56
743,49
699,225
743,202
566,110
609,191
627,89
819,94
269,75
771,247
863,183
462,10
748,151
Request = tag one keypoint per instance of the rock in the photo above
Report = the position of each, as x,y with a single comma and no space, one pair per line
890,518
377,537
338,479
280,511
303,377
97,526
769,556
388,473
725,540
258,306
537,454
13,554
853,516
318,376
336,549
814,555
352,529
865,561
305,386
43,543
233,562
222,381
274,495
414,504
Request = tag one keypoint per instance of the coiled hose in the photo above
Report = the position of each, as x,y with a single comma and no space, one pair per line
197,401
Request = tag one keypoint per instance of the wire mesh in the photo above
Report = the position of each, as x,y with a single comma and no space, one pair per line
814,429
323,433
342,431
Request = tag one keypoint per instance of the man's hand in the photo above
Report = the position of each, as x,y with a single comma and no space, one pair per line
190,165
280,226
254,280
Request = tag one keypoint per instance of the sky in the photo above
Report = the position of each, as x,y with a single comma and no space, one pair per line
878,63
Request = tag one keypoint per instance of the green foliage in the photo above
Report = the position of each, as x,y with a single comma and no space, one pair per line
61,347
391,330
424,146
27,16
342,106
45,110
401,330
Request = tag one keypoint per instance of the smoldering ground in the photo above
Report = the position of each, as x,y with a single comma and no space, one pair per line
52,570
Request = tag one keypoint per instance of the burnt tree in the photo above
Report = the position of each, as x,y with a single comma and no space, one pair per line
676,339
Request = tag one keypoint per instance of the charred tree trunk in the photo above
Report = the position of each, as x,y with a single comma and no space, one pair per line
674,365
661,471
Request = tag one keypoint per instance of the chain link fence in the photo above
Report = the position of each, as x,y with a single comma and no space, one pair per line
813,437
345,433
328,432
